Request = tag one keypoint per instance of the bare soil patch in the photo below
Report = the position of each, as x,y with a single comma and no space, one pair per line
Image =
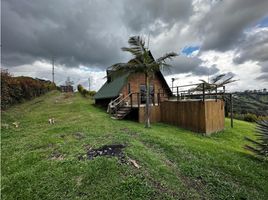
113,150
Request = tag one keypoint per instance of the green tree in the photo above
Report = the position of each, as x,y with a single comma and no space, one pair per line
143,62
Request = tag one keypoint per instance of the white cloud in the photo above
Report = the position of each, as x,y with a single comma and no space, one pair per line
43,70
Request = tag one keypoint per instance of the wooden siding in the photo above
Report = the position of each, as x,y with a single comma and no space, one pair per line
155,114
203,117
135,80
214,116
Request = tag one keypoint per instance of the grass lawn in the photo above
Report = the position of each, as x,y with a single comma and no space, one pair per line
40,161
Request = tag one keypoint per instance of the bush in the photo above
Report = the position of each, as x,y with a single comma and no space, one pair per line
18,89
250,117
85,92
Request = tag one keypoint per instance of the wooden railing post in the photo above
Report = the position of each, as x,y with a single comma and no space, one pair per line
203,85
231,110
158,98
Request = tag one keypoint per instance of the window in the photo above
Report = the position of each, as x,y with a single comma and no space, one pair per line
143,93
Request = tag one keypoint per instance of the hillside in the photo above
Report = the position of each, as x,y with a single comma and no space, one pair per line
255,103
45,161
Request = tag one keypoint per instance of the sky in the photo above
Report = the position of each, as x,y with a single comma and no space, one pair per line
85,37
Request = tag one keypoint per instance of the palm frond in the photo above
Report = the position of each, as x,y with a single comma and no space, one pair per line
217,78
170,56
260,145
137,43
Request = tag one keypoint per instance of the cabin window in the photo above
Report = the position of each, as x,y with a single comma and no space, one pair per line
128,88
143,94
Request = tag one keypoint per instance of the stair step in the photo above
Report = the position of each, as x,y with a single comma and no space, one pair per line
125,109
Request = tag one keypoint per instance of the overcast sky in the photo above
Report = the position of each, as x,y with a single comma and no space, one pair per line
86,36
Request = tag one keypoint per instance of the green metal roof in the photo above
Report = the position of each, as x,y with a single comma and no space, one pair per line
112,89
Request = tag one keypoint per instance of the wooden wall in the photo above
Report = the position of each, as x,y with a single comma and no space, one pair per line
155,114
214,116
138,79
203,117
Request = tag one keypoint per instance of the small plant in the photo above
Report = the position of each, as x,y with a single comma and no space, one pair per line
260,145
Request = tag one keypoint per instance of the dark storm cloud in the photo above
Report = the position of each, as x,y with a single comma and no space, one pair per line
202,70
221,27
80,32
75,32
155,15
254,48
91,32
184,64
263,77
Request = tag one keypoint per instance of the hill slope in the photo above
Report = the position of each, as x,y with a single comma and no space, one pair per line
40,161
255,103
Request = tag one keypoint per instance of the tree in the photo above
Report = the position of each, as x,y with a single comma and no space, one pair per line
142,62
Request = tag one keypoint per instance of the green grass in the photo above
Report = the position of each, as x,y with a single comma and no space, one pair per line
175,163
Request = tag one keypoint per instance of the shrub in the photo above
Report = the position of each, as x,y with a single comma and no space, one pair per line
80,88
18,89
92,93
250,117
85,92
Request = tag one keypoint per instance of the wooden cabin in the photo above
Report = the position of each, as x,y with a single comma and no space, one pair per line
124,96
127,94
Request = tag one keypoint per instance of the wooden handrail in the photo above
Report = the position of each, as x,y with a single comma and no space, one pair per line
118,98
123,99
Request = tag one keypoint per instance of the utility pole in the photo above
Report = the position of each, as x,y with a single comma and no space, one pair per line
88,83
53,80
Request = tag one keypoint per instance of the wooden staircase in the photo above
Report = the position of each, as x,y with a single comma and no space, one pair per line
119,107
122,112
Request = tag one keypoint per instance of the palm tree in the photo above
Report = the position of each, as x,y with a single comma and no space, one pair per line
260,145
216,82
143,62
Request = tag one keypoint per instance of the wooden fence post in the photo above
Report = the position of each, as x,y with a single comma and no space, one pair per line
232,117
177,93
216,93
203,91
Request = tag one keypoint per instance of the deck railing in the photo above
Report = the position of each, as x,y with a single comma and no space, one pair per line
200,91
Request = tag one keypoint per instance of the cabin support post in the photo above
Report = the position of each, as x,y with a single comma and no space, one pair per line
131,101
138,99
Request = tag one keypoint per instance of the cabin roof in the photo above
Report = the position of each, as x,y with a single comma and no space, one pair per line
112,89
